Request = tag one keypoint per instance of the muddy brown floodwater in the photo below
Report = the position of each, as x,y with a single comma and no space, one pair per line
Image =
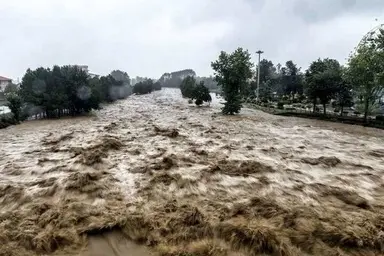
152,175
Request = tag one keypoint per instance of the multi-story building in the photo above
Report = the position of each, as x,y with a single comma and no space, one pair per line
4,82
83,67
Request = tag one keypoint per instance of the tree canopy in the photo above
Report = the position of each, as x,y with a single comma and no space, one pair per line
11,88
121,76
233,72
201,94
144,87
365,70
291,79
187,87
195,91
323,80
69,89
14,104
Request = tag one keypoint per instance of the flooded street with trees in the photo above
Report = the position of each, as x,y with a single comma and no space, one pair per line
178,179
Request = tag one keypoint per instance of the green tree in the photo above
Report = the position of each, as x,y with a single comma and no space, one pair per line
157,86
201,94
232,73
122,88
121,76
365,70
344,96
14,104
58,90
11,88
323,79
265,91
269,80
291,79
143,87
187,87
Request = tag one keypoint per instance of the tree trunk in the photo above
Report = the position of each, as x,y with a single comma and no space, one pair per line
314,106
366,109
341,110
324,109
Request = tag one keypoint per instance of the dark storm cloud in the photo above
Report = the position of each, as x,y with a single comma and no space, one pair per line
149,37
302,30
315,11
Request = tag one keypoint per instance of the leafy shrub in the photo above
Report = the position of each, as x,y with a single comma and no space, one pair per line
187,87
7,120
14,104
201,94
157,86
143,87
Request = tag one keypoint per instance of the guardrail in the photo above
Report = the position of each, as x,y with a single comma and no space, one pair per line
330,116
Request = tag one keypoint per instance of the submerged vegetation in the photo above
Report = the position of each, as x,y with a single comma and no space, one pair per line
195,91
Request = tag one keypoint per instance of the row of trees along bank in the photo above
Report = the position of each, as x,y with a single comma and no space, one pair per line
65,90
359,83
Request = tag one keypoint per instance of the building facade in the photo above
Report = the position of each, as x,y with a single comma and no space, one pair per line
4,81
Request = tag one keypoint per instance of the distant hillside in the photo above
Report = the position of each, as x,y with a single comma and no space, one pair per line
174,79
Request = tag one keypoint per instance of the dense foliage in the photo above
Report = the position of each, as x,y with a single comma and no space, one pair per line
195,91
69,90
201,94
359,86
157,86
144,87
187,87
14,104
365,71
233,72
324,78
10,88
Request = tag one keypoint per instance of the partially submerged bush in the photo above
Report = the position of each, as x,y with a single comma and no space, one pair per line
201,94
198,92
14,104
7,120
144,87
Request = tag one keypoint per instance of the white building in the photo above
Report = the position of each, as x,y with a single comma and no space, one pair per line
4,82
83,68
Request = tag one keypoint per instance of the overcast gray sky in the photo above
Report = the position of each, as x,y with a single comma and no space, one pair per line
150,37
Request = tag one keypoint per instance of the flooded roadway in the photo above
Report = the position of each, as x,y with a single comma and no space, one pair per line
182,179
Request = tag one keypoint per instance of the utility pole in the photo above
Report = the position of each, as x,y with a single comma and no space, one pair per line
259,52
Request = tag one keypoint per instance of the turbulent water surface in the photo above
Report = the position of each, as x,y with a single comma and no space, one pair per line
176,178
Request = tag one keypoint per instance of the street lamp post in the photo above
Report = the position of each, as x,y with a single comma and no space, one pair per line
259,52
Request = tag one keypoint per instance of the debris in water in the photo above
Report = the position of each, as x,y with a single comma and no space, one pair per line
172,133
53,141
328,161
